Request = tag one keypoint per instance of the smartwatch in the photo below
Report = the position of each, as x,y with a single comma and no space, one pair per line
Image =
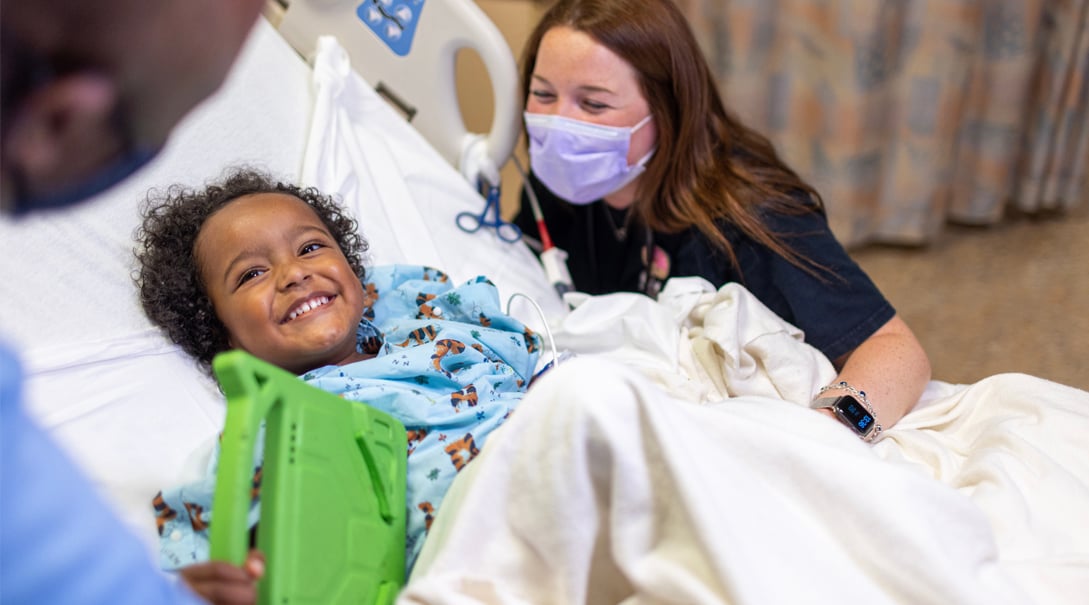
851,412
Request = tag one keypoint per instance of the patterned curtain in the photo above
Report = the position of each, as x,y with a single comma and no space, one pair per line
906,114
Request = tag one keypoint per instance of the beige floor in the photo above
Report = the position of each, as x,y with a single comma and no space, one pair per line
1008,298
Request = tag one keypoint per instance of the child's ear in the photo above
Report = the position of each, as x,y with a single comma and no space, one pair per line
64,131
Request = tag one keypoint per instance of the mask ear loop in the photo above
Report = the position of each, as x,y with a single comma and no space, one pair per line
646,158
641,123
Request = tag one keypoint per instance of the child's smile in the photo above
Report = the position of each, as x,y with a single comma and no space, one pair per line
280,283
307,305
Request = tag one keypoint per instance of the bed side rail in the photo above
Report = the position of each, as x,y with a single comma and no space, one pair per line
406,49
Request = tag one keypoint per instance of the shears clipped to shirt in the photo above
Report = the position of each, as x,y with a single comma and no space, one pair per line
489,217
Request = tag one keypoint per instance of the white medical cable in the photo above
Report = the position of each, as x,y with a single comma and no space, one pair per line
552,258
544,321
533,243
534,204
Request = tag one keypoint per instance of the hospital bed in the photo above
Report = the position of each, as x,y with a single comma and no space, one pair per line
129,406
999,468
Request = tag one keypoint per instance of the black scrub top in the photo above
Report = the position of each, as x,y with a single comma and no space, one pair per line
837,309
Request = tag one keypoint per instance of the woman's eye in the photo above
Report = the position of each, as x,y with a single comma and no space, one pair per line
542,95
312,247
594,106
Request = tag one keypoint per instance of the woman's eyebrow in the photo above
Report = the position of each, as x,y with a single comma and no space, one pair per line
599,89
582,87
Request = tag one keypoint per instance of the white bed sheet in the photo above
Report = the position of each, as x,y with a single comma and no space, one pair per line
692,472
125,403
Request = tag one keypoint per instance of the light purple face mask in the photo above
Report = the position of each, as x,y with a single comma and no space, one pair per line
579,161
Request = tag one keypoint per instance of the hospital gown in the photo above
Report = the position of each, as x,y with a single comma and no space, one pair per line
449,364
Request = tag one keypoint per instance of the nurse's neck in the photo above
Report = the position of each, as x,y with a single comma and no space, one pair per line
624,198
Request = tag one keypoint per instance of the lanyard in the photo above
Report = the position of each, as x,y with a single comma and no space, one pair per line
647,283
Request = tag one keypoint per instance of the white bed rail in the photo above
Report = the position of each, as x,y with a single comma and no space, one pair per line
406,49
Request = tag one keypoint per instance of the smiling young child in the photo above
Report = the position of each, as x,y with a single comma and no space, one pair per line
276,270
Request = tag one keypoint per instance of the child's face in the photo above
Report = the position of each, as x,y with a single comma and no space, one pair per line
279,282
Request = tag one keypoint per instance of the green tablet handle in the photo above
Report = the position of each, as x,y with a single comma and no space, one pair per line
333,507
241,377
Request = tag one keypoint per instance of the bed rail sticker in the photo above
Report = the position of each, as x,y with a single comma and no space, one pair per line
393,21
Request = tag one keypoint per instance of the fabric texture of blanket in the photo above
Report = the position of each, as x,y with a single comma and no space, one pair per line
674,461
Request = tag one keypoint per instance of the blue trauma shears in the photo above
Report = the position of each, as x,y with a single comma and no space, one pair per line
489,217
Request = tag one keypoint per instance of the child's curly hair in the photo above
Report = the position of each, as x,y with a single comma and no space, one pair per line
171,290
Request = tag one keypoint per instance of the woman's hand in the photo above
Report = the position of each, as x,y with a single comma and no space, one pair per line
225,584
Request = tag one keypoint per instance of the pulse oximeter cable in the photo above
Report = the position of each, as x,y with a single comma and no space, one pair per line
552,258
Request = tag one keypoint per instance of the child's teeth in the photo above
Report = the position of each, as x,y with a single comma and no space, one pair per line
307,306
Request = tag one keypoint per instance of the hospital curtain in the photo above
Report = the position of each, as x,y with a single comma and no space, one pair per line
906,114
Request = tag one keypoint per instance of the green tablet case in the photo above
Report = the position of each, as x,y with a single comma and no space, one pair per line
332,490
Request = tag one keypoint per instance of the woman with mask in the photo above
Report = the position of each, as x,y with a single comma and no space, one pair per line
642,174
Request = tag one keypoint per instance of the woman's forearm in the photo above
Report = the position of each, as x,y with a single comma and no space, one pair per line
891,367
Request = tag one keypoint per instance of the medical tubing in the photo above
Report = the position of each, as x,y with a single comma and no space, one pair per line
554,261
534,205
552,258
546,241
544,320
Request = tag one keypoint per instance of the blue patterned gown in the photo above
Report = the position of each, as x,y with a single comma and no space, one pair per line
449,364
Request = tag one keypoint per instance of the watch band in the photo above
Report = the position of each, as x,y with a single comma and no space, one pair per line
853,409
850,412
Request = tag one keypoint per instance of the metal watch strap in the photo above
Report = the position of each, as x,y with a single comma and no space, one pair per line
823,402
857,395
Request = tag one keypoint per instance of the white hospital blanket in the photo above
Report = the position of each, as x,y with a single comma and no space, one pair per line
620,479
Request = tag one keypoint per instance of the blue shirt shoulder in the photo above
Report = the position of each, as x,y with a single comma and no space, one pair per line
59,541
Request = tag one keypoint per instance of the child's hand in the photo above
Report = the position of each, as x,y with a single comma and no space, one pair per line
225,584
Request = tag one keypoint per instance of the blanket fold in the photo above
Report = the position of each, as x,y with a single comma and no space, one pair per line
674,461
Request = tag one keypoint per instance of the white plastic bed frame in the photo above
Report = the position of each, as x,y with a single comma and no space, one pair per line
422,81
129,406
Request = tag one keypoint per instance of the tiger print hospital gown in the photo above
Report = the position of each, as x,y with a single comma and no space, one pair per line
449,364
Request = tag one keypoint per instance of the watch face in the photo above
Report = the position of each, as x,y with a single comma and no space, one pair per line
852,413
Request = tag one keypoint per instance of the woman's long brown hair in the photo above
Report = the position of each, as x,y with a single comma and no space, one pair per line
708,167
